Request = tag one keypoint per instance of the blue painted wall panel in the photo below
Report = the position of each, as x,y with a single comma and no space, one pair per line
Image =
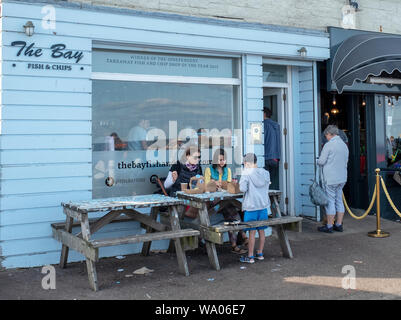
157,26
195,42
29,112
24,186
46,98
45,156
255,81
45,171
10,34
306,151
23,142
255,116
39,127
254,101
20,205
255,104
12,82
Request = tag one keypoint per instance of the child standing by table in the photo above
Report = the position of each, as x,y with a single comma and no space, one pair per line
254,183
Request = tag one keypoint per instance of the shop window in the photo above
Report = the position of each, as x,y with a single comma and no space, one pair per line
274,73
164,64
139,128
393,131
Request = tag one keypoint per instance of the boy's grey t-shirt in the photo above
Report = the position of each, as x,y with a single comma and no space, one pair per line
254,183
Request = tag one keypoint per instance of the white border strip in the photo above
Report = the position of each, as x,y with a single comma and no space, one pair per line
159,78
287,62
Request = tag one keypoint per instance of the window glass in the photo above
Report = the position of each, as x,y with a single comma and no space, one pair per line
163,64
274,73
137,127
393,131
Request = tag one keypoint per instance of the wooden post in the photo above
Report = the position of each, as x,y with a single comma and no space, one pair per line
92,275
154,211
65,249
210,247
284,242
277,206
180,252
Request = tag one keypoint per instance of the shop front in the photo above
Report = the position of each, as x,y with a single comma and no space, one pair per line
100,100
361,95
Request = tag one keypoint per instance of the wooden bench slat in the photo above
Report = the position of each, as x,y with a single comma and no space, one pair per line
254,224
145,237
61,225
147,220
76,244
121,203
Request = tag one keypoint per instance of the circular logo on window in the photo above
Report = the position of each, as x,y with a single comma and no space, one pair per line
109,181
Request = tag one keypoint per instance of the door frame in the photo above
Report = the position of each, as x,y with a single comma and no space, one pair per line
287,119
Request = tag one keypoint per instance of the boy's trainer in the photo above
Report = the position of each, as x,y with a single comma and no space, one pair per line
260,256
246,259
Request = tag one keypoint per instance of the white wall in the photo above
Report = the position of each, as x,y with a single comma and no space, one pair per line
312,14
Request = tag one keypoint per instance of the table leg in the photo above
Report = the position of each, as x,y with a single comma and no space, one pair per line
210,246
180,252
92,275
277,206
146,245
284,242
65,249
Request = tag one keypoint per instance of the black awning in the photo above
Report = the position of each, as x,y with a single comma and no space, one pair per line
365,55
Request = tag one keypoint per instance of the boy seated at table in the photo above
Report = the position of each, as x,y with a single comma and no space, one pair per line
219,172
254,183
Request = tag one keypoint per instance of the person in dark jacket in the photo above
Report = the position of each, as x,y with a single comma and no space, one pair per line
182,173
272,143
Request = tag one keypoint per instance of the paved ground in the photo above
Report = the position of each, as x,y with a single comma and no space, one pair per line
314,273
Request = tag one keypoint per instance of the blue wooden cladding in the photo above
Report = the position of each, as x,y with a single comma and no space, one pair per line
46,128
304,142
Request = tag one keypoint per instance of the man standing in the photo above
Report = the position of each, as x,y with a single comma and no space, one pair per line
137,136
272,141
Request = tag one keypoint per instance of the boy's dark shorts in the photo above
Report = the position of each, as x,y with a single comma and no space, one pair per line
256,215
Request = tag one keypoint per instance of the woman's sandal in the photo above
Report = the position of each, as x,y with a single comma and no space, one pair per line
238,250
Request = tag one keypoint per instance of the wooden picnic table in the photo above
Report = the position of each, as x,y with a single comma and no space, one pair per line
125,207
214,234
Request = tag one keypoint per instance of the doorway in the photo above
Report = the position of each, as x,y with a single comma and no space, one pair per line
275,100
352,114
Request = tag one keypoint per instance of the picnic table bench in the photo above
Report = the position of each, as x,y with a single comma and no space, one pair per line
125,207
214,234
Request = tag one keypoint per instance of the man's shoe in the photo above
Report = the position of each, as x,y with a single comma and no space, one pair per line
325,229
338,228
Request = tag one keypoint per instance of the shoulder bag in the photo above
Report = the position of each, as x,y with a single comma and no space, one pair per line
317,195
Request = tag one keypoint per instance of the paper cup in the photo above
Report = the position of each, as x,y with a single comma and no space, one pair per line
184,186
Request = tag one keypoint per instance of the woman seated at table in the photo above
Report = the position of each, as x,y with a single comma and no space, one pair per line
219,172
182,173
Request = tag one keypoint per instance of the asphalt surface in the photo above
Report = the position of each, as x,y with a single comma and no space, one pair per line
321,269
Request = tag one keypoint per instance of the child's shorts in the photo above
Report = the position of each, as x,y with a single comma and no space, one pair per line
256,215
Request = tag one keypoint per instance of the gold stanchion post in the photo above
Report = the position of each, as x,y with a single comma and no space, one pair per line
378,233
